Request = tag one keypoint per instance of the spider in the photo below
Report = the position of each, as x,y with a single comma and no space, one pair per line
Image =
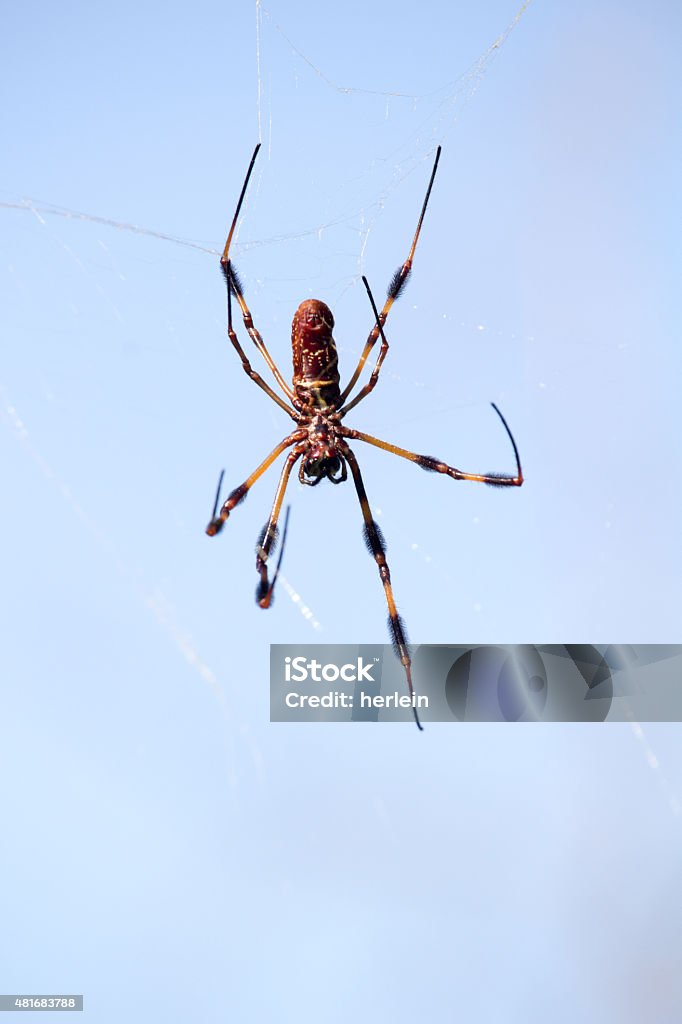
317,405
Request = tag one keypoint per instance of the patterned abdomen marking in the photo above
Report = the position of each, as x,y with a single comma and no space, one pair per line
316,361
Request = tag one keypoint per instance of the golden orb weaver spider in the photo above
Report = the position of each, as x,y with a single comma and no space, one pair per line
318,406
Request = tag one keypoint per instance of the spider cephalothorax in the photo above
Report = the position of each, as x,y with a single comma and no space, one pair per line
323,447
317,405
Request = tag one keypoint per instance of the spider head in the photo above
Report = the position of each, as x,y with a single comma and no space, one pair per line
315,468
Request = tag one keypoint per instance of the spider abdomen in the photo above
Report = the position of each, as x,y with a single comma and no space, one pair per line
316,361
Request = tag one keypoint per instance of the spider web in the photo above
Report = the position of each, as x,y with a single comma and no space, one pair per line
431,117
120,402
365,201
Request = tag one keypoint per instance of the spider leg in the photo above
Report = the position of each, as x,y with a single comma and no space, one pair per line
232,282
239,493
269,594
371,383
436,466
225,258
377,547
395,287
268,536
217,493
256,377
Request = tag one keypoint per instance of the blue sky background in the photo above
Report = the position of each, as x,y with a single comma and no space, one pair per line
165,850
